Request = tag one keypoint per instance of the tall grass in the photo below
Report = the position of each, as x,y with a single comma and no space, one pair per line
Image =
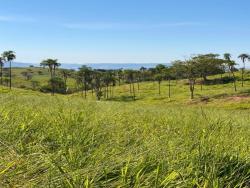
69,142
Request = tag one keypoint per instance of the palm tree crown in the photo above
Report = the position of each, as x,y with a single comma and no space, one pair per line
244,57
9,55
227,56
52,64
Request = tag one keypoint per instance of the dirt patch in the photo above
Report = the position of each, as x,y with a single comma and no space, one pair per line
238,98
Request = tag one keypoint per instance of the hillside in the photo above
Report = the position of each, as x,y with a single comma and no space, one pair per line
216,95
65,140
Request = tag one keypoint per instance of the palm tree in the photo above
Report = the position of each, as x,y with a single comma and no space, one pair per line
97,83
84,76
55,65
1,68
130,78
9,56
48,63
66,73
227,57
51,64
231,66
243,57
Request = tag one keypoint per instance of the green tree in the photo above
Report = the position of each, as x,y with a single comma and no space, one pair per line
159,78
119,74
97,84
160,68
130,77
168,75
52,64
188,69
66,73
1,69
9,56
57,85
35,84
209,64
231,67
84,76
27,74
243,57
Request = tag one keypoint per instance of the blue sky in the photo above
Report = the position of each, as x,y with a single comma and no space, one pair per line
123,31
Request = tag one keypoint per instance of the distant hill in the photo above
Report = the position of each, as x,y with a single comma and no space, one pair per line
134,66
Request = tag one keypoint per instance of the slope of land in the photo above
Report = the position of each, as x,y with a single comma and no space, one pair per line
67,141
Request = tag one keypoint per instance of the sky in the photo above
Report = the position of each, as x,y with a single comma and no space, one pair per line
123,31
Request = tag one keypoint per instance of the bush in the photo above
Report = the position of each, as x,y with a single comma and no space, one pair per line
55,85
40,72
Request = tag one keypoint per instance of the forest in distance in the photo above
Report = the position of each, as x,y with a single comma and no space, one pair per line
101,81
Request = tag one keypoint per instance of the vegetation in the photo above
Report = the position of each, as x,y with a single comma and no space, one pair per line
195,70
71,142
8,56
141,132
243,57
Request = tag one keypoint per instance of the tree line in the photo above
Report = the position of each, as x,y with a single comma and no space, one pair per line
101,83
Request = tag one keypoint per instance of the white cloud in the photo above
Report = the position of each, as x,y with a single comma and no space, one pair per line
105,26
16,19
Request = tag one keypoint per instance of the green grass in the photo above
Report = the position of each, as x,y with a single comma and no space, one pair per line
41,75
66,141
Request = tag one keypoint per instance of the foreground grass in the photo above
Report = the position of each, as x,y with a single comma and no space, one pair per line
65,141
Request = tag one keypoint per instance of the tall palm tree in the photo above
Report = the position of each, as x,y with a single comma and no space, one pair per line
66,73
231,66
227,56
52,64
55,65
84,77
130,78
243,57
1,69
9,56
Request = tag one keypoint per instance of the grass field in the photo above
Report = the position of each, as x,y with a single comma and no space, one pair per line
67,141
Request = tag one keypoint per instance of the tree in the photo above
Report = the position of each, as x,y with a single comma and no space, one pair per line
158,78
84,75
143,71
52,64
243,57
138,79
9,56
231,66
27,74
57,85
188,69
97,83
168,74
160,68
130,77
119,74
66,73
1,69
208,64
34,84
